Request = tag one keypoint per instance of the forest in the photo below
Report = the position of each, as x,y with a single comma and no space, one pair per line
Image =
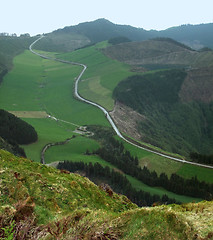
15,130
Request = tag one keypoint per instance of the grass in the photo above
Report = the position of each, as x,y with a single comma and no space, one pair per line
103,73
189,171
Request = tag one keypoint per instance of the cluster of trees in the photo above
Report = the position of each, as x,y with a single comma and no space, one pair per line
116,180
117,40
201,158
15,130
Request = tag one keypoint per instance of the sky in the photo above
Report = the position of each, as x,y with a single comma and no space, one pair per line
43,16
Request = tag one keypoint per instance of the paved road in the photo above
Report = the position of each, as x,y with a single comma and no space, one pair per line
105,111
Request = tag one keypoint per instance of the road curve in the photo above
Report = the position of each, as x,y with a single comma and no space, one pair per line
105,111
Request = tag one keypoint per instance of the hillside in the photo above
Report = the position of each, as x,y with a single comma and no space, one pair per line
159,53
39,202
174,117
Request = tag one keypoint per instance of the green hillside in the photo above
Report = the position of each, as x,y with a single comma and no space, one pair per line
40,202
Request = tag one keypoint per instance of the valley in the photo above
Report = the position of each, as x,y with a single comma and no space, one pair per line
127,108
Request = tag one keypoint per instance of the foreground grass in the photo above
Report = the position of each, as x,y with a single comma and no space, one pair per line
56,205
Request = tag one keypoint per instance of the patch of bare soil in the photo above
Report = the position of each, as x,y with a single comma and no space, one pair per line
127,120
198,86
29,114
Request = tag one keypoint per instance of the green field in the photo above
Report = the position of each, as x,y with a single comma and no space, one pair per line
36,84
102,76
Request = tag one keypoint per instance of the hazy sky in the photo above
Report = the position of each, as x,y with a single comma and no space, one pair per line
42,16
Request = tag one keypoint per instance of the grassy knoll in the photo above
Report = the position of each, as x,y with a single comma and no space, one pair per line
102,76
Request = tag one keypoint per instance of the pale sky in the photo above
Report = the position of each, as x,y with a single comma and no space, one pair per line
43,16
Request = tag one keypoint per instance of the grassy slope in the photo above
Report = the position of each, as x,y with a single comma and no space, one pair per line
87,210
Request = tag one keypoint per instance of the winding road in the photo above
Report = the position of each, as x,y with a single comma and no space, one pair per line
105,111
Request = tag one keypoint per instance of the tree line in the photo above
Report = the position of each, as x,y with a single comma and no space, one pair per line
117,181
201,158
122,159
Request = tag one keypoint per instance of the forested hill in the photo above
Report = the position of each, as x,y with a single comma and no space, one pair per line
174,118
72,37
102,29
196,36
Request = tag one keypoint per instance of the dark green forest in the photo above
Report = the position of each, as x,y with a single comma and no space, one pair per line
170,124
15,130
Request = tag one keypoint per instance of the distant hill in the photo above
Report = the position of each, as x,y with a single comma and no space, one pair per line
73,37
196,36
159,53
102,29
